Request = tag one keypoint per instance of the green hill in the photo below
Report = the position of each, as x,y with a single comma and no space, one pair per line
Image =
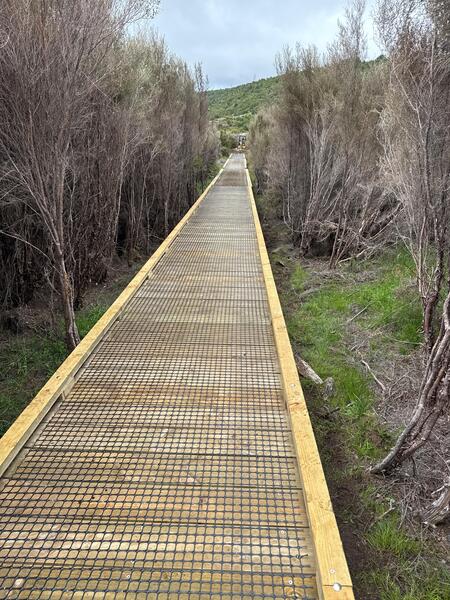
234,107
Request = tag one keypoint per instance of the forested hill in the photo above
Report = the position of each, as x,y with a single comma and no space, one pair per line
234,107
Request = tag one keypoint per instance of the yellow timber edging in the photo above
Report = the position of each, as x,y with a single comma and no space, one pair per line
333,577
62,380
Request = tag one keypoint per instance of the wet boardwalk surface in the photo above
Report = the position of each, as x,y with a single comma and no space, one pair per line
168,471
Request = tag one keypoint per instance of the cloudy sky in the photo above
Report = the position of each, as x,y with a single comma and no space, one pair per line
237,40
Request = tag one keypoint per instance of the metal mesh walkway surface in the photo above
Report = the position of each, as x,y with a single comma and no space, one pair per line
168,469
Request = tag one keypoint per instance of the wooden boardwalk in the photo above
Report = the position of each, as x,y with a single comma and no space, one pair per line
171,456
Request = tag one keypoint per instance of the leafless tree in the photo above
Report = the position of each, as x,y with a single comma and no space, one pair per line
416,127
323,151
104,142
52,60
174,144
417,142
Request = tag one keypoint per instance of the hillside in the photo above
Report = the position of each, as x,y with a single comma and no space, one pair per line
234,107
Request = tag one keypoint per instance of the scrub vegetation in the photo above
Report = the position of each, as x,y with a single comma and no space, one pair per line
233,108
105,141
341,321
352,168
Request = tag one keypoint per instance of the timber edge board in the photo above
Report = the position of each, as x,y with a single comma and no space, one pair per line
333,576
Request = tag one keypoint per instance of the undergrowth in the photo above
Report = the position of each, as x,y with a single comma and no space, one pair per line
29,360
385,307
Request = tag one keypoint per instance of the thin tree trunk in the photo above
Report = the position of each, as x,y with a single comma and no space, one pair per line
66,290
434,399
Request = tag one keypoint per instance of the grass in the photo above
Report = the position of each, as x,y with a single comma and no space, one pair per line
400,565
26,363
319,326
29,360
412,575
387,536
434,585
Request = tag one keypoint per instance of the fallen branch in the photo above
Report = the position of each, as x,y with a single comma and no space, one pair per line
380,383
386,512
357,314
440,508
306,292
327,414
278,261
307,371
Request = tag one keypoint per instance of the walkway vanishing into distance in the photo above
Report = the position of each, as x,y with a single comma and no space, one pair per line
171,456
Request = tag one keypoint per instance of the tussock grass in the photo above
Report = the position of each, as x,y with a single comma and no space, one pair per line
433,584
387,536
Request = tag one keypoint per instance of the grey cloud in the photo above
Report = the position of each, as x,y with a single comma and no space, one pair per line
236,41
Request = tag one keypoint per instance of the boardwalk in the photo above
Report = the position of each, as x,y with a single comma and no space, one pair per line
168,465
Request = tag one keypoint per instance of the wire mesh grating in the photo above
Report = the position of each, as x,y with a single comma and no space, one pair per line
168,471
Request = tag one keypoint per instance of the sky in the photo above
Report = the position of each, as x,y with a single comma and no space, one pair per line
237,40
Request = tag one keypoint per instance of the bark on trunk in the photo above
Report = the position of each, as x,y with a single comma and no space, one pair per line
66,290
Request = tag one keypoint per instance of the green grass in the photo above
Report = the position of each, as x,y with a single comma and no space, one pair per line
388,536
26,363
403,566
29,360
392,301
86,319
319,325
428,584
411,575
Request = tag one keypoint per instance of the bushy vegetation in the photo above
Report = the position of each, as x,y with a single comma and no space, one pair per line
357,159
104,143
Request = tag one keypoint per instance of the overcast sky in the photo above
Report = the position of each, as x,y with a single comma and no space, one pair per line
237,40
